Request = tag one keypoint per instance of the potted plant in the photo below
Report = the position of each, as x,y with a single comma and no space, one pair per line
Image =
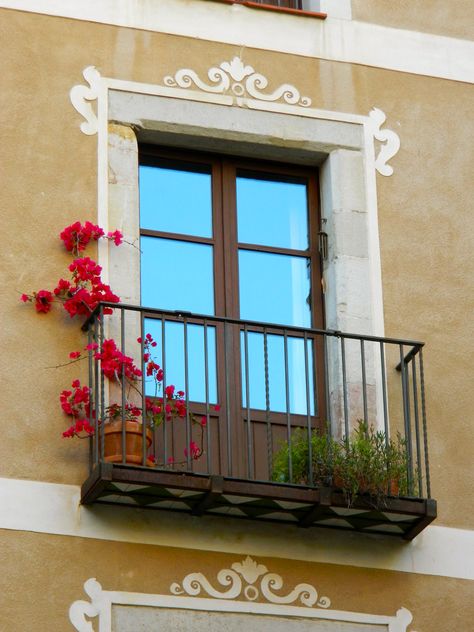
364,463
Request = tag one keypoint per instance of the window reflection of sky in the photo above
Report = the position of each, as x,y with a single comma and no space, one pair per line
274,288
175,201
178,275
174,355
276,373
272,213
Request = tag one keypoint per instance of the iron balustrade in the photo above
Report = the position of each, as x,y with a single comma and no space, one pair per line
252,390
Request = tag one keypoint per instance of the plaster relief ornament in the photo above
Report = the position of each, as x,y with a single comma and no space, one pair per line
392,141
81,96
250,576
249,571
240,80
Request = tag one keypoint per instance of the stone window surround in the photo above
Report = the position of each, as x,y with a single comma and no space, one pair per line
340,146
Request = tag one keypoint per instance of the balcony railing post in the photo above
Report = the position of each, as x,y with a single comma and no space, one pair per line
250,456
287,406
268,422
227,360
206,388
308,412
102,384
425,433
417,425
90,383
344,389
189,462
122,386
406,417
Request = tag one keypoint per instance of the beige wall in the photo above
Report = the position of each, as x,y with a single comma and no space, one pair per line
58,566
452,18
423,212
49,180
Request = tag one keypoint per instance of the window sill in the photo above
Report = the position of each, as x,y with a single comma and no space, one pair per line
270,7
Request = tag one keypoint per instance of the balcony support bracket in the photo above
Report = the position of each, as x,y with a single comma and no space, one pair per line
216,487
318,509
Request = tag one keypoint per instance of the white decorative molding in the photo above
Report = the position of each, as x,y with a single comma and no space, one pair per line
250,571
81,609
82,96
102,602
240,80
392,141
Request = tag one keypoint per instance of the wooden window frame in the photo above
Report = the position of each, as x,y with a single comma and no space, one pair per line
224,171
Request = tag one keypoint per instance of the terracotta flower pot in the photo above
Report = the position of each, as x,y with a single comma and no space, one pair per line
133,443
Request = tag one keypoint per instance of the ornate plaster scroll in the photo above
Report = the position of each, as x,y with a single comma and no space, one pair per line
82,97
392,141
238,79
80,609
250,588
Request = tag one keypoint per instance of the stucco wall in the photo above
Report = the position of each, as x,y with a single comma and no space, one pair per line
423,211
452,18
57,568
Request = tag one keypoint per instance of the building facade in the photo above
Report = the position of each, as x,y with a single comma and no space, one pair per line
293,185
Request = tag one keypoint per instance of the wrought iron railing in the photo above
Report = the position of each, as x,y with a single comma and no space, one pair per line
254,401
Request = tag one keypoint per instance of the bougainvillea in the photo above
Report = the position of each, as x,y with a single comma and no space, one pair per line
80,295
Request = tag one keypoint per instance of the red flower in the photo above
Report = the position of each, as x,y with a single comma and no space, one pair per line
116,237
43,300
169,390
25,298
217,408
204,421
194,450
74,355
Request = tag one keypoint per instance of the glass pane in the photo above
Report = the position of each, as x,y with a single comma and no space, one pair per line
176,201
177,275
174,355
274,288
271,213
298,403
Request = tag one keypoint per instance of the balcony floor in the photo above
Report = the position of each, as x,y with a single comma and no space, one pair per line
197,494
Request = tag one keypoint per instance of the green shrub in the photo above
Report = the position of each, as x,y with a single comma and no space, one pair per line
364,463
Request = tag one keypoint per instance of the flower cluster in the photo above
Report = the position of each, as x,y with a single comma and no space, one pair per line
75,403
80,295
115,364
85,290
76,236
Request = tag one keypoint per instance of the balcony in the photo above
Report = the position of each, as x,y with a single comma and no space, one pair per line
258,421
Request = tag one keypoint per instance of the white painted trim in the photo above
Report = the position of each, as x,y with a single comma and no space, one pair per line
101,602
54,509
332,39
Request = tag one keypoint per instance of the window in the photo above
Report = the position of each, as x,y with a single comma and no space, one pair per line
289,4
238,239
